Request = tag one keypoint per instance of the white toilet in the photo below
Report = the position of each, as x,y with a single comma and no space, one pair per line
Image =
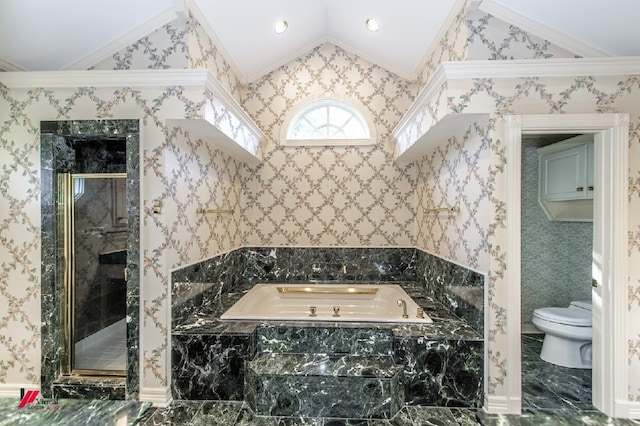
568,334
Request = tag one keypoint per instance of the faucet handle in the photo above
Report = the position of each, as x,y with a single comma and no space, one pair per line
312,310
336,311
419,312
403,304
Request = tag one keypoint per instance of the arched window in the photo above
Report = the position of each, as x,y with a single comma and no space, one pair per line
328,121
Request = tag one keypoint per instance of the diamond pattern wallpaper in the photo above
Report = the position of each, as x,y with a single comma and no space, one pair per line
490,38
454,175
339,196
345,196
164,48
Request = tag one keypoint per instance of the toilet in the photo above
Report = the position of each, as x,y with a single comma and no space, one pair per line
568,334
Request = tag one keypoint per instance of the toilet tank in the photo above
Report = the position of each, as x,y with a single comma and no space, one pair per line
581,305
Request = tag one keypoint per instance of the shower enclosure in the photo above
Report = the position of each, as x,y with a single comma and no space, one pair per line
90,212
94,228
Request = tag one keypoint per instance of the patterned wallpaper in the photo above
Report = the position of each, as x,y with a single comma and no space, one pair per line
345,196
182,172
518,96
556,256
205,54
164,48
20,242
180,44
544,96
489,38
454,175
452,46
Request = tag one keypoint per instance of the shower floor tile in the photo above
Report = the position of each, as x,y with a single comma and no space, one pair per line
549,388
104,350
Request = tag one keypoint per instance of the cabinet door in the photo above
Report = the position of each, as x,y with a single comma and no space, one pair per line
564,174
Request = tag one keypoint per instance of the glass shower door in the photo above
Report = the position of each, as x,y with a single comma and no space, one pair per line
96,252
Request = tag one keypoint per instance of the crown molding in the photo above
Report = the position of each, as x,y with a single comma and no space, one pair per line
458,7
10,66
126,39
103,78
562,67
540,30
191,6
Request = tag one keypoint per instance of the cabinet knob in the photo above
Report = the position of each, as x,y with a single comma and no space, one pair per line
590,188
580,189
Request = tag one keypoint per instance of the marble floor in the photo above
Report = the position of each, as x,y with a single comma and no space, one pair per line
551,389
104,350
70,412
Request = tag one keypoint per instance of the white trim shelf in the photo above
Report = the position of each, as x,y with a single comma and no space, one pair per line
412,134
201,126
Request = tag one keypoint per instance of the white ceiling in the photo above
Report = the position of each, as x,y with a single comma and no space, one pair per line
65,34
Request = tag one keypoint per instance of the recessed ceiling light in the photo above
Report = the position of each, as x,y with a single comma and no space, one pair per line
281,26
372,25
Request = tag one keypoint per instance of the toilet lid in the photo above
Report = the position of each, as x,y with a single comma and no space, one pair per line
577,317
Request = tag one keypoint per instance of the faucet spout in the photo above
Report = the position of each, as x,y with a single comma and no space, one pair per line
403,304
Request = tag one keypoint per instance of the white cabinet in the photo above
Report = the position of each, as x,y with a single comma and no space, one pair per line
566,177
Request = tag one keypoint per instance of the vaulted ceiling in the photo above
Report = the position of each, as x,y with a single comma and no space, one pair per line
62,34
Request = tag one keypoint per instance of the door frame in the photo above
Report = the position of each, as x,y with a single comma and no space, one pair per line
610,256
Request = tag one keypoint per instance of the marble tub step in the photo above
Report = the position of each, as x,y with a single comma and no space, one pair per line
321,385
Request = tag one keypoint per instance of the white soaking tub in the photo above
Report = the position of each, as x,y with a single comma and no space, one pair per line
327,302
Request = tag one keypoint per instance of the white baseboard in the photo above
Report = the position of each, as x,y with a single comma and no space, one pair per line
159,397
502,405
633,410
12,390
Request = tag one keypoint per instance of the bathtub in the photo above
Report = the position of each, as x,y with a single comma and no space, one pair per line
326,302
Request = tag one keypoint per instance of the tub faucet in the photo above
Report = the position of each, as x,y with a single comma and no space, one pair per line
403,303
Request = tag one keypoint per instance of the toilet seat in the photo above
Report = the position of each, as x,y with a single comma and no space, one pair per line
567,316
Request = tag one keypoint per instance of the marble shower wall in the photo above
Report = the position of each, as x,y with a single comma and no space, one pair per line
81,146
328,196
556,256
